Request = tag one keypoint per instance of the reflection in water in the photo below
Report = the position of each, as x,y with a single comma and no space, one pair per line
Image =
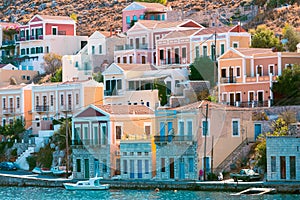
35,193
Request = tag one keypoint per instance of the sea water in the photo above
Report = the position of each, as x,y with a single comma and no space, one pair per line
38,193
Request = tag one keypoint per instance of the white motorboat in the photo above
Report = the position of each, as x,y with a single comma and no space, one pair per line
91,184
256,191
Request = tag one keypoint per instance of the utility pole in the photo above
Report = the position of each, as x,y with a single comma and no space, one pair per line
205,137
215,59
212,155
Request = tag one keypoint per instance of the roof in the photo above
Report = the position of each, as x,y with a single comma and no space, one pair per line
224,29
13,87
50,17
126,109
253,51
154,24
136,67
180,33
5,24
154,6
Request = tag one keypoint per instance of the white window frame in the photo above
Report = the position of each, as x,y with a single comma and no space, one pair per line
238,92
237,44
238,67
253,95
262,70
263,92
220,44
239,127
274,69
54,27
208,128
148,124
286,65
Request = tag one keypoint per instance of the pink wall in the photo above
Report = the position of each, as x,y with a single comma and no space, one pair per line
130,13
68,28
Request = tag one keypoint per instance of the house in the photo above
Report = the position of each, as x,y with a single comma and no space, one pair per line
92,58
10,75
136,84
246,75
8,47
60,100
282,158
143,11
142,38
47,34
100,132
16,103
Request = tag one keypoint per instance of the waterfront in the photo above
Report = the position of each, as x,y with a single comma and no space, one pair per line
25,193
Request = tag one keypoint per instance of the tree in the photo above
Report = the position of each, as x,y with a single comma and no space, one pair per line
52,63
264,38
287,88
44,157
203,69
280,128
162,91
57,76
98,77
292,37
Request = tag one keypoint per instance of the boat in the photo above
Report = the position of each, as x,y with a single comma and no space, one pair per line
256,191
59,171
38,170
91,184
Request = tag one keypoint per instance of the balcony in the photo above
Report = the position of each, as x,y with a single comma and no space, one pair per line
30,37
170,138
250,104
8,43
231,79
123,47
43,108
66,108
112,93
172,61
86,142
8,111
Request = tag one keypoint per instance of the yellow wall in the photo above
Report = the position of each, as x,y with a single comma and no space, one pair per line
93,95
28,107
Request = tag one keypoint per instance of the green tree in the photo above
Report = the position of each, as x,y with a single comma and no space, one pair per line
57,76
45,156
280,128
264,38
59,137
162,91
203,69
292,37
98,77
287,88
52,62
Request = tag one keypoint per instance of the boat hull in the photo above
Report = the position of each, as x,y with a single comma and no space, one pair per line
71,186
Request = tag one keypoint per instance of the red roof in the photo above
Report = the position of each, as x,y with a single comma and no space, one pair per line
126,109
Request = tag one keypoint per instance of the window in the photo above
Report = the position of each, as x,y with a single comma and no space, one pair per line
61,99
183,52
235,45
273,164
222,49
69,101
27,51
205,128
142,17
223,73
292,167
128,20
161,54
181,128
177,83
238,71
259,70
119,84
147,130
78,165
100,49
135,18
22,51
93,50
18,102
190,128
118,132
235,127
197,51
54,30
146,166
124,153
191,165
77,98
163,165
125,168
139,153
271,69
146,153
51,100
37,99
204,53
32,50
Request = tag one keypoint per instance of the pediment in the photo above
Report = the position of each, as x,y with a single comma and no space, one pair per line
113,69
97,35
36,19
134,6
90,112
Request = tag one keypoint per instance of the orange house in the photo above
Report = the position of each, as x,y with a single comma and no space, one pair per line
246,75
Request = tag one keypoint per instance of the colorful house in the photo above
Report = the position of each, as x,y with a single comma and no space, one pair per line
143,11
99,131
142,38
45,34
7,40
58,100
246,75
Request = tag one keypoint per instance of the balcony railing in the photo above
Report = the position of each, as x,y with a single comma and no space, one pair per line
43,108
86,142
8,42
111,93
123,47
172,61
8,111
250,104
30,37
231,79
170,138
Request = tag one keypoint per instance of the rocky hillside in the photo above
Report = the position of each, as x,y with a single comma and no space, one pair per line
100,14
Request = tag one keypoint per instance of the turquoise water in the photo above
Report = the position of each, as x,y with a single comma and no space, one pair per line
35,193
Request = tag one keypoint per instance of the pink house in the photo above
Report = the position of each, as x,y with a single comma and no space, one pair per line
143,11
142,39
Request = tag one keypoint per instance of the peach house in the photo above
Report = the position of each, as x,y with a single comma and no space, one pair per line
245,75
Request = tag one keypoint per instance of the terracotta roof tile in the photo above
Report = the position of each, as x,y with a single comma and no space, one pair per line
126,109
153,24
137,67
180,33
253,51
50,17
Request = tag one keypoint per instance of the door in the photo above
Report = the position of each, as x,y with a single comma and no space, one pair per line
86,168
257,130
96,167
169,56
143,59
137,43
177,60
131,169
231,96
140,169
181,169
113,87
260,98
282,167
231,75
171,163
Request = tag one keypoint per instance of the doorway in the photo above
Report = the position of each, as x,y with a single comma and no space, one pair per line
171,163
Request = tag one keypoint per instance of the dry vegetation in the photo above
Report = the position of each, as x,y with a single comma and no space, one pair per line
100,14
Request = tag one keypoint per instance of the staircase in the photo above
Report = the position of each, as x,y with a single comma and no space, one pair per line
239,152
21,160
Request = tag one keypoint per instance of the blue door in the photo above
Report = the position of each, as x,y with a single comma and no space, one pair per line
96,167
131,169
181,169
257,130
162,131
140,169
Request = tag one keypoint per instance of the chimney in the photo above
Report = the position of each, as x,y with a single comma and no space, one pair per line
75,79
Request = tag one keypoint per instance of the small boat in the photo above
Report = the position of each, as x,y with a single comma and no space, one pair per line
91,184
38,170
59,171
256,191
